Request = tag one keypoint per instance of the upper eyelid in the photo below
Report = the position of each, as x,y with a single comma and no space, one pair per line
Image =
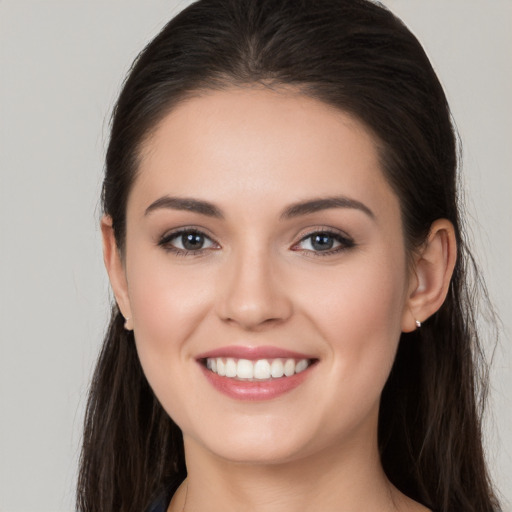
186,229
330,231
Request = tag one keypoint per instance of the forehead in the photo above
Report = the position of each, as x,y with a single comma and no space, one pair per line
258,144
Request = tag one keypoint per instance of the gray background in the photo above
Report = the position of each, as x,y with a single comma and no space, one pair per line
61,66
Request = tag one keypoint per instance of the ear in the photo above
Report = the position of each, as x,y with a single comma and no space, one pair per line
115,269
432,272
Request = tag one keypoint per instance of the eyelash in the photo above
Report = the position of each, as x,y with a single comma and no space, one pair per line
344,242
165,242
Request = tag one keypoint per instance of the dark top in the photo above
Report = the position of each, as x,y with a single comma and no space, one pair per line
161,504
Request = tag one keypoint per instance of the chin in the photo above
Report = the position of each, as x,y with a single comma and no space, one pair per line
257,445
256,454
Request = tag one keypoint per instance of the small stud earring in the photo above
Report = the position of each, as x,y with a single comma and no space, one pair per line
127,324
418,324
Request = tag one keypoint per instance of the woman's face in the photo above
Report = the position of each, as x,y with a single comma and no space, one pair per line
263,239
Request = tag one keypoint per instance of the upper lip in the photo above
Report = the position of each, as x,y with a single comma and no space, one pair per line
253,353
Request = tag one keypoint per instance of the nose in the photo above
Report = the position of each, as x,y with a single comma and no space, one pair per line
253,294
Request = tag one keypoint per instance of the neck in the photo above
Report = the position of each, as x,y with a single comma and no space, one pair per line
348,478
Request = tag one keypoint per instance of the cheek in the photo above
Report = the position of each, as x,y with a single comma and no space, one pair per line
168,304
358,310
168,307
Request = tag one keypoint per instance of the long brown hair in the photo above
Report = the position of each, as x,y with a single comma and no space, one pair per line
357,56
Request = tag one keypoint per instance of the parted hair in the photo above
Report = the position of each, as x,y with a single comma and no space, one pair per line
354,55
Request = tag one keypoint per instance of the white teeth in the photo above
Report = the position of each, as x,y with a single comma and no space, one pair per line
211,364
277,368
262,369
221,367
300,366
244,369
230,368
289,367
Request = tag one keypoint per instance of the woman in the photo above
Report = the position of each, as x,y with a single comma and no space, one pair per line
292,328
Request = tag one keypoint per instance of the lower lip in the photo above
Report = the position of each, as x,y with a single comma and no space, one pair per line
254,390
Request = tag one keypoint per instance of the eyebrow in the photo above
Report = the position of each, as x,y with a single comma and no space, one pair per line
292,211
185,203
316,205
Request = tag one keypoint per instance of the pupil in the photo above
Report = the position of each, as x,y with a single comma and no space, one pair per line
322,242
192,241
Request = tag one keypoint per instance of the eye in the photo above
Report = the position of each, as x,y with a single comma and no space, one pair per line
325,242
187,241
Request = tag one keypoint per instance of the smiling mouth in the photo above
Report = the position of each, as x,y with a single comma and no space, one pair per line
258,370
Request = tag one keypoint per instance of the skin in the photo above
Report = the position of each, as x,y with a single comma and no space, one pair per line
258,280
